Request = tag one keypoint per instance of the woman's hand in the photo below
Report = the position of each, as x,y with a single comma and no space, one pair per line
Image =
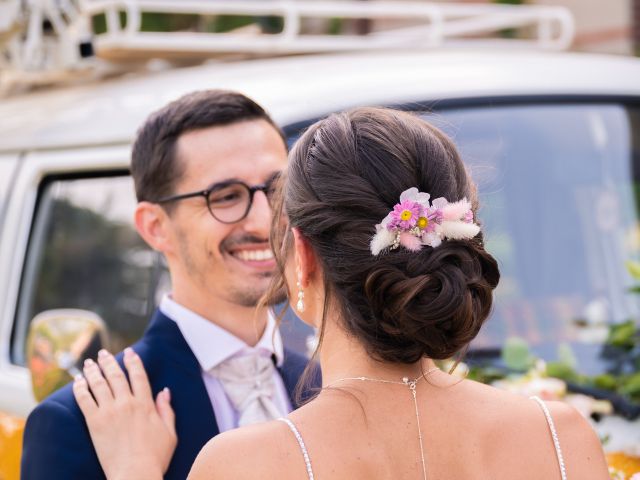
134,436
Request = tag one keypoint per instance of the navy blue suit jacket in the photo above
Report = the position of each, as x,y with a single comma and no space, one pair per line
57,445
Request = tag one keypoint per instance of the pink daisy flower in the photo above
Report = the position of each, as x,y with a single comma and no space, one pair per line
405,215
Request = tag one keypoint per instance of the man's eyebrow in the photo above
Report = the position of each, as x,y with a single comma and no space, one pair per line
224,182
227,181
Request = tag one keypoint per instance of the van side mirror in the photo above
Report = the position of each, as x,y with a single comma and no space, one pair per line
58,343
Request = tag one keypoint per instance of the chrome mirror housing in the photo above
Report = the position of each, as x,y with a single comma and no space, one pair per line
58,343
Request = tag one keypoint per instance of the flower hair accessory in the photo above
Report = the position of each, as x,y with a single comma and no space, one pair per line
415,222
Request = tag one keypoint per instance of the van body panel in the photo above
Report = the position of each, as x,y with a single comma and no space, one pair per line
297,88
15,383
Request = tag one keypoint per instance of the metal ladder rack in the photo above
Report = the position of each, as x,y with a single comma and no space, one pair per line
431,25
68,44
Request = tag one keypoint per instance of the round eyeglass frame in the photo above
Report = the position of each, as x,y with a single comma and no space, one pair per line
266,188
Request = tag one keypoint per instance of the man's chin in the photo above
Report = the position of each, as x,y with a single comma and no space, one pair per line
246,299
252,291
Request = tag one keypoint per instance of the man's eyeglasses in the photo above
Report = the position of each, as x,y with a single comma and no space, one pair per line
229,201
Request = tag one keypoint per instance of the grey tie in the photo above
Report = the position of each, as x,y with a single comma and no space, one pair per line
248,382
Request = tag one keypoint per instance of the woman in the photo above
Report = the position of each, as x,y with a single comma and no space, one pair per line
382,253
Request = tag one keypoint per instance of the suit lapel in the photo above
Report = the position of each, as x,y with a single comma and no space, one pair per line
171,363
291,372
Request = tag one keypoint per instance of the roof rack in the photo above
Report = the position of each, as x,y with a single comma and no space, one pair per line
40,39
431,25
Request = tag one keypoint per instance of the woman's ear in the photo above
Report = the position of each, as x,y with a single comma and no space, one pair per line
305,258
151,222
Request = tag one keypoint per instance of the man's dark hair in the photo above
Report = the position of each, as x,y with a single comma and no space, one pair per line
154,165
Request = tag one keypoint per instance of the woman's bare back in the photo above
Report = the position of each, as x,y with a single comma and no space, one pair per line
470,431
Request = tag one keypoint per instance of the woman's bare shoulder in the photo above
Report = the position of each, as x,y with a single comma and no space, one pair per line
257,451
524,428
581,447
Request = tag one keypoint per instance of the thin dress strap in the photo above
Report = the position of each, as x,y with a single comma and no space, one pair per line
305,454
554,435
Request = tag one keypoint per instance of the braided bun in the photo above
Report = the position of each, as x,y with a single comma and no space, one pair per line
345,174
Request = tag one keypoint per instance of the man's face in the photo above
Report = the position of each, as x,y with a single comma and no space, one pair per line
229,262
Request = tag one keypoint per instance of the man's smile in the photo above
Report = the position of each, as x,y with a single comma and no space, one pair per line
260,257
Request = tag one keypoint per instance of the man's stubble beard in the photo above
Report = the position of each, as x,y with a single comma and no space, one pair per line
244,297
251,297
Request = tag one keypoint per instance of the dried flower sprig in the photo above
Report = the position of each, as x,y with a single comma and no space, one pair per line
415,222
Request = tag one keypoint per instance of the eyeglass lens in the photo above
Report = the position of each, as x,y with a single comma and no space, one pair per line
232,202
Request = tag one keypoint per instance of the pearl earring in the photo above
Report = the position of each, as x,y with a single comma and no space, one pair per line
300,304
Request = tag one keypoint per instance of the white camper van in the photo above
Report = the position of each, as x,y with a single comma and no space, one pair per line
552,139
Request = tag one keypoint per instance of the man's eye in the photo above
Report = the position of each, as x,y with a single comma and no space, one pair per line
229,197
226,197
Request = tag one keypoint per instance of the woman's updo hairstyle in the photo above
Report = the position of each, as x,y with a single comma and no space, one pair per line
345,174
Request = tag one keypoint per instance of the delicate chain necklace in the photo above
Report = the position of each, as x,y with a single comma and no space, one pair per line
412,388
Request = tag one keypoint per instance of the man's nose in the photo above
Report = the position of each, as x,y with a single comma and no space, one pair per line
258,220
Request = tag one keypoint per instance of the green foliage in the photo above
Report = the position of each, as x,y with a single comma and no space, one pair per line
85,264
562,371
566,356
485,374
335,26
174,22
631,386
163,22
606,381
516,355
633,268
623,335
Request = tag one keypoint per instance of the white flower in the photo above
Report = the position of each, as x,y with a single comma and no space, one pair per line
385,221
382,240
440,203
414,195
456,210
459,230
432,239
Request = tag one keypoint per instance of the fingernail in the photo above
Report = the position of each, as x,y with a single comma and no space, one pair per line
103,353
167,394
78,377
88,362
128,352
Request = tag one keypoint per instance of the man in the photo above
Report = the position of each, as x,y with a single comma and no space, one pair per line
203,168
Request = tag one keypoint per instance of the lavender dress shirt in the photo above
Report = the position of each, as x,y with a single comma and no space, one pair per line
212,344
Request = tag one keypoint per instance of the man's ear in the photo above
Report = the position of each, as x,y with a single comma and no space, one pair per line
152,223
305,258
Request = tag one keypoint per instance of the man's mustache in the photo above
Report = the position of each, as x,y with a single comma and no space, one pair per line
233,242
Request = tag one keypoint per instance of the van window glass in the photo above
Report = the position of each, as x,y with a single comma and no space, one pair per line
559,200
85,253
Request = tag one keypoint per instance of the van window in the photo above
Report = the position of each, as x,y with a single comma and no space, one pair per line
85,253
558,186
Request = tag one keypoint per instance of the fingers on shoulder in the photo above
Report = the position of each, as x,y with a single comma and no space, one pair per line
137,374
84,398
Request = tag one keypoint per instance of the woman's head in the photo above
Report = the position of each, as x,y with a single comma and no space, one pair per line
345,175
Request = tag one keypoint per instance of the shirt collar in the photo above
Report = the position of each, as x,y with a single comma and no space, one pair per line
212,344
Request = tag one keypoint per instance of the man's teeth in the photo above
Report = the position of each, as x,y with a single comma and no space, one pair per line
253,255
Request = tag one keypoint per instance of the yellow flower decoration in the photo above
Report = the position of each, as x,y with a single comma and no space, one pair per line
423,222
406,215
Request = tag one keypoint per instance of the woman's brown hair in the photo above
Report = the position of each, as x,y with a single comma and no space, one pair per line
345,174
